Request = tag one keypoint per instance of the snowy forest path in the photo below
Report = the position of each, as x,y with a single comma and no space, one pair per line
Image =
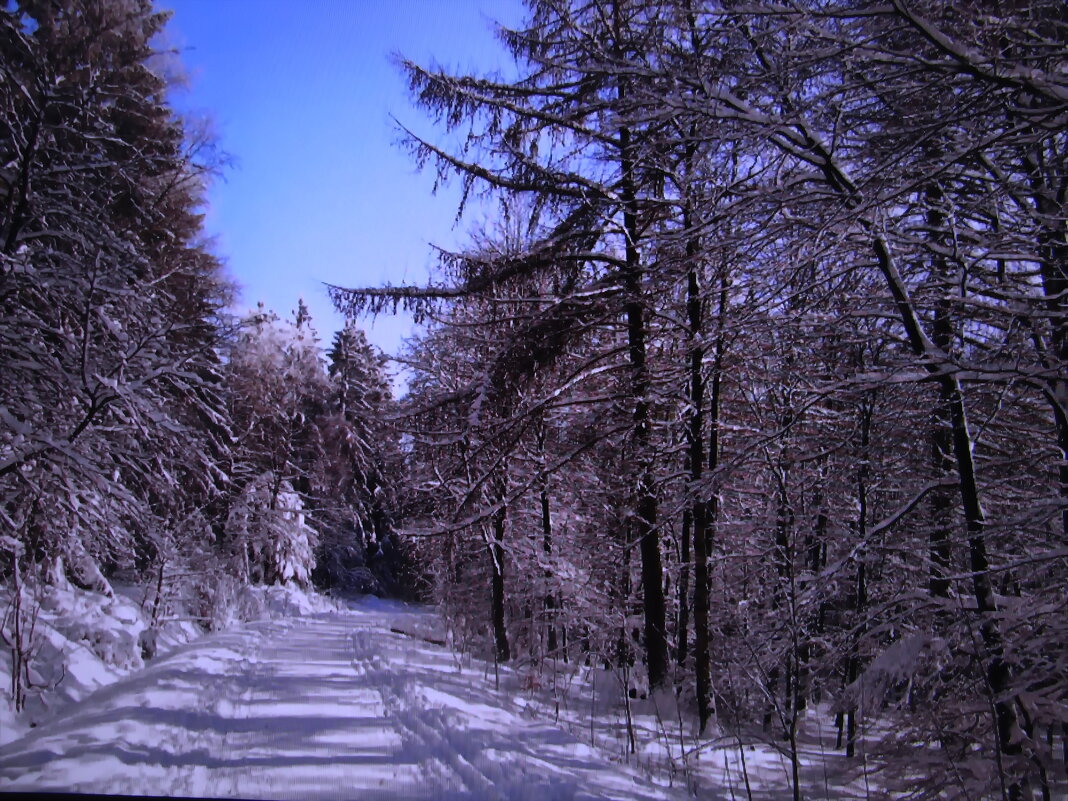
354,704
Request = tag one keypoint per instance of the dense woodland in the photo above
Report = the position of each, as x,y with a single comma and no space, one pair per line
759,388
146,434
756,393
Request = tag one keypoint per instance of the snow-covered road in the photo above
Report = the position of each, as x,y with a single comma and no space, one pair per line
338,705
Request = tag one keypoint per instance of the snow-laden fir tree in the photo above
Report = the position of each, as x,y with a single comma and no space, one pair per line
276,388
267,526
358,472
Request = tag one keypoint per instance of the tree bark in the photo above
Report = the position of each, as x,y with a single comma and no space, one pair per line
500,633
645,531
940,542
547,549
682,651
704,508
860,599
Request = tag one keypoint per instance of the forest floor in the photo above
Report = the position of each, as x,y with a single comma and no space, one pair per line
356,703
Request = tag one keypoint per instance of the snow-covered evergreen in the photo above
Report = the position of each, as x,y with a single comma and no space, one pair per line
267,530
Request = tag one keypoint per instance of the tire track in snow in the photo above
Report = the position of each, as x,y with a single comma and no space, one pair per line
428,729
238,705
326,707
441,764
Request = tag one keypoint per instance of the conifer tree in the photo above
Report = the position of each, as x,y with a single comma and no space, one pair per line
109,300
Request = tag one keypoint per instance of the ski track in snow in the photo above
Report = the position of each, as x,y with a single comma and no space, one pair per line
326,706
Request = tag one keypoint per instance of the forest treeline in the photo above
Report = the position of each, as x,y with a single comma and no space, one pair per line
757,391
146,434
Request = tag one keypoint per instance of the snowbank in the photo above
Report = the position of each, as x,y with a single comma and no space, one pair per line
84,640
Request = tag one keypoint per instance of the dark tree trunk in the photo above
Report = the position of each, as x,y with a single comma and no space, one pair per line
500,633
695,313
652,573
997,669
860,600
683,650
815,545
940,542
547,549
705,507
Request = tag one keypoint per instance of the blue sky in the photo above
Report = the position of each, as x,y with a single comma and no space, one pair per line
300,96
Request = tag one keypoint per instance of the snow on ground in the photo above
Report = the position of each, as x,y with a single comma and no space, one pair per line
83,641
358,703
591,704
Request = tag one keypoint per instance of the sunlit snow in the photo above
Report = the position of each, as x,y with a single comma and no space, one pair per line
332,705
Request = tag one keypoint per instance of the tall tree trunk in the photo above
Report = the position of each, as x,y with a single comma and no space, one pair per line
496,547
652,573
682,651
940,542
997,669
547,549
860,599
711,521
705,508
940,546
784,594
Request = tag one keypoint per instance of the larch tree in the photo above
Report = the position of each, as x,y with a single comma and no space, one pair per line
563,137
862,155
